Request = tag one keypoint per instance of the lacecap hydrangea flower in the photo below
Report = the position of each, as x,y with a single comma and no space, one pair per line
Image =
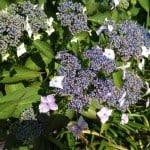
47,104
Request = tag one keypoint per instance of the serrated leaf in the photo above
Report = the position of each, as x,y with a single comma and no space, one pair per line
14,103
18,73
145,4
99,17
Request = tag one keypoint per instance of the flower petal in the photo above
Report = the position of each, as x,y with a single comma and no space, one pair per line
124,119
57,82
43,108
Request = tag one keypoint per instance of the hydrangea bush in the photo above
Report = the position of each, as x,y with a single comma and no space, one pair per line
75,74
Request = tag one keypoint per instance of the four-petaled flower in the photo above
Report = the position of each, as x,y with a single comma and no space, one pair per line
57,82
124,119
109,53
104,114
78,127
47,104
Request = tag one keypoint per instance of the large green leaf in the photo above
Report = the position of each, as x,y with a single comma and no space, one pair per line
17,73
44,48
99,17
91,6
14,103
145,4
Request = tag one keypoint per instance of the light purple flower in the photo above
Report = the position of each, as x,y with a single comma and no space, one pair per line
78,127
104,114
124,119
47,104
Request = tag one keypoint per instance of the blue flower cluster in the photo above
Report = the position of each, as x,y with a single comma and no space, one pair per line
98,61
127,38
11,29
72,16
13,22
84,84
36,16
28,128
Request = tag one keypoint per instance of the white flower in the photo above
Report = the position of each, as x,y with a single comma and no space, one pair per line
104,114
36,36
74,39
116,2
100,29
122,99
50,28
124,119
21,50
145,51
148,88
141,65
57,82
109,53
147,103
110,28
28,27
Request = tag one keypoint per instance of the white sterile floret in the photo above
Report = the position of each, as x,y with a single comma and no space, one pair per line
21,49
100,29
109,53
104,114
36,36
74,39
145,51
122,99
110,28
124,119
28,27
148,88
147,103
50,28
116,2
57,81
141,64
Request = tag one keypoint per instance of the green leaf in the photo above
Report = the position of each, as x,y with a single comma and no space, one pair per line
14,103
91,6
41,2
99,17
3,4
9,88
18,73
89,113
145,4
44,48
117,78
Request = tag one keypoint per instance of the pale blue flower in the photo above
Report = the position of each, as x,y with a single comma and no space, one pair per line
47,104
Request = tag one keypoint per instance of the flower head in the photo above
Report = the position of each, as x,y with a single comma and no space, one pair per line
47,104
57,82
124,119
78,127
104,114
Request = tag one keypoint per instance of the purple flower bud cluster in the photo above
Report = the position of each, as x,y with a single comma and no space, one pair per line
84,84
11,28
133,85
35,14
72,16
127,38
98,61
